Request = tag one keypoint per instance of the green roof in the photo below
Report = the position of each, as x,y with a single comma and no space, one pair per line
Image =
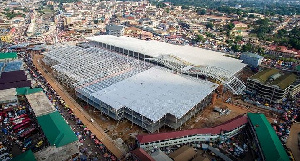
8,55
269,142
283,81
27,156
298,68
28,90
57,131
264,75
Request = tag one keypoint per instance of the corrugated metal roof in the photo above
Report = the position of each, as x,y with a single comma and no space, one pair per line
57,131
184,153
280,79
142,155
27,156
194,55
227,126
8,55
27,90
269,142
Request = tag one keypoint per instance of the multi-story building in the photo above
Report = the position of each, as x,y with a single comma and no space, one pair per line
273,85
116,30
253,60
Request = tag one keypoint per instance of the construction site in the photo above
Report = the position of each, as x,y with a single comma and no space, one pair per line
134,93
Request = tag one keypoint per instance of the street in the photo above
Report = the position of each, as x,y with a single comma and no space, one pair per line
292,141
78,111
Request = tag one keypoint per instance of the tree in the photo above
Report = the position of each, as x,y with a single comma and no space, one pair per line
238,38
161,5
248,48
235,48
251,16
280,18
167,10
230,26
260,50
201,11
185,7
200,38
209,25
281,33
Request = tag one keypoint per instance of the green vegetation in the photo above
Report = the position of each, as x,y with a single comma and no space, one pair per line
11,14
199,38
262,7
263,28
201,11
160,5
230,26
209,25
290,39
248,48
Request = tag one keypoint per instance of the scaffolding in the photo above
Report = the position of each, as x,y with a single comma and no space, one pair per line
149,100
79,67
93,72
219,68
216,73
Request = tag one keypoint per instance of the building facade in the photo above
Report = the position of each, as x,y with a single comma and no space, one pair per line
193,136
116,30
253,60
273,85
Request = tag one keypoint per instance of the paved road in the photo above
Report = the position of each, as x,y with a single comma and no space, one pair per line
78,111
292,141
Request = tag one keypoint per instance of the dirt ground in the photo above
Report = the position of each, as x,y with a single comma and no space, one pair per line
77,109
124,129
208,118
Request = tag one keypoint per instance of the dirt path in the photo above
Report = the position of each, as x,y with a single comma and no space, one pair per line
292,141
78,111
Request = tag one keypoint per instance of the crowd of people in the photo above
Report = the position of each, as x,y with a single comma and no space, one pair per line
279,64
287,113
91,147
288,117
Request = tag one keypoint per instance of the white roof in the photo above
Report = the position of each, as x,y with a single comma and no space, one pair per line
194,55
8,95
40,104
156,92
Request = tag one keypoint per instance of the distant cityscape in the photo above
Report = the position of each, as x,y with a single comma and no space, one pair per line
150,80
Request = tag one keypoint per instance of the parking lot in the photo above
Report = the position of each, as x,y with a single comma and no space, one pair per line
19,129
